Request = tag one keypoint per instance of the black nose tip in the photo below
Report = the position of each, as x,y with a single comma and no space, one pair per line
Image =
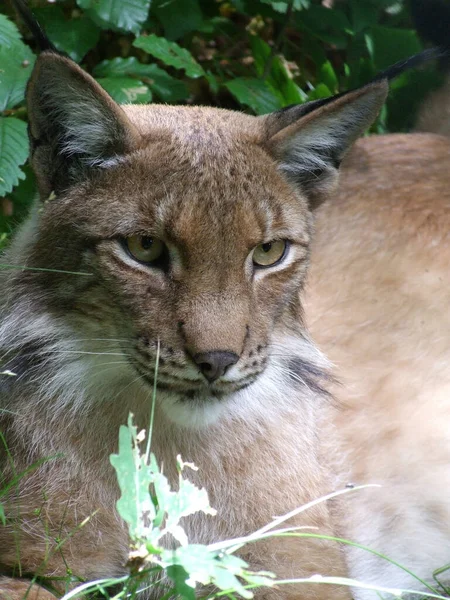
214,364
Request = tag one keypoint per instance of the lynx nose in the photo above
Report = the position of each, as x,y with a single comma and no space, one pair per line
214,364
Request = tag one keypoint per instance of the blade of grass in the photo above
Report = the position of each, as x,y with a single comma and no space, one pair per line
152,412
3,266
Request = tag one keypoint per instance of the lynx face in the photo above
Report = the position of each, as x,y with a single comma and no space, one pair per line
194,227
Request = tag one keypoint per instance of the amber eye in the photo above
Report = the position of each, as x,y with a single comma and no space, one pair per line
270,253
145,249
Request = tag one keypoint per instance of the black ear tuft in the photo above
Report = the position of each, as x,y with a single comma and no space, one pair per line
309,141
33,25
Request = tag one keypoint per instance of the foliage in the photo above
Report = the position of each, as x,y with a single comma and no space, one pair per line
252,55
154,516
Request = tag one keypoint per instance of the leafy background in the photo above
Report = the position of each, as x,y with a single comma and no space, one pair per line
251,55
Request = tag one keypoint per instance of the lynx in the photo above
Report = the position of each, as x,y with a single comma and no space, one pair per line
187,230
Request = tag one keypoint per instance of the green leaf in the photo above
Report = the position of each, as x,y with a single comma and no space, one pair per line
179,577
75,37
2,514
13,152
390,44
20,197
327,24
8,32
126,90
127,15
170,53
278,77
178,17
320,91
256,93
163,85
206,566
363,14
328,76
134,478
16,63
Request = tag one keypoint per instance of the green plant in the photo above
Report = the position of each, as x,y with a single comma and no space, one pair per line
253,55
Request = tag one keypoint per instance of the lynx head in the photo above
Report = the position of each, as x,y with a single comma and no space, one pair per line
194,224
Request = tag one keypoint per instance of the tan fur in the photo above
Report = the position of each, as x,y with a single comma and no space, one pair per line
377,304
434,114
14,588
213,185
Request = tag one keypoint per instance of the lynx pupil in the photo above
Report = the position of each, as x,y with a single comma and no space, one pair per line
146,242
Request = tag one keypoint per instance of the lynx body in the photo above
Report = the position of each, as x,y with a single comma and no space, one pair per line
186,229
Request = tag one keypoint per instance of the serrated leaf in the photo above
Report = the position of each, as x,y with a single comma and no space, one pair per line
169,53
16,63
127,15
75,36
8,32
21,197
163,85
126,90
178,17
256,93
13,152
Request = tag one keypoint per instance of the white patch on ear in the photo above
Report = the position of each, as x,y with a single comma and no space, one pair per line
314,144
323,141
88,129
74,123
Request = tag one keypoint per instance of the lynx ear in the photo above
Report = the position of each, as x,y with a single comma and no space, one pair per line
310,140
75,126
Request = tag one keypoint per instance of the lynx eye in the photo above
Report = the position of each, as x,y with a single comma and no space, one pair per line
270,253
145,249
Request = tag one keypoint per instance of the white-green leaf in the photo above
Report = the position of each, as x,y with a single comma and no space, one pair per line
134,478
16,63
8,32
163,85
256,93
283,6
127,15
170,53
205,566
13,152
126,90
